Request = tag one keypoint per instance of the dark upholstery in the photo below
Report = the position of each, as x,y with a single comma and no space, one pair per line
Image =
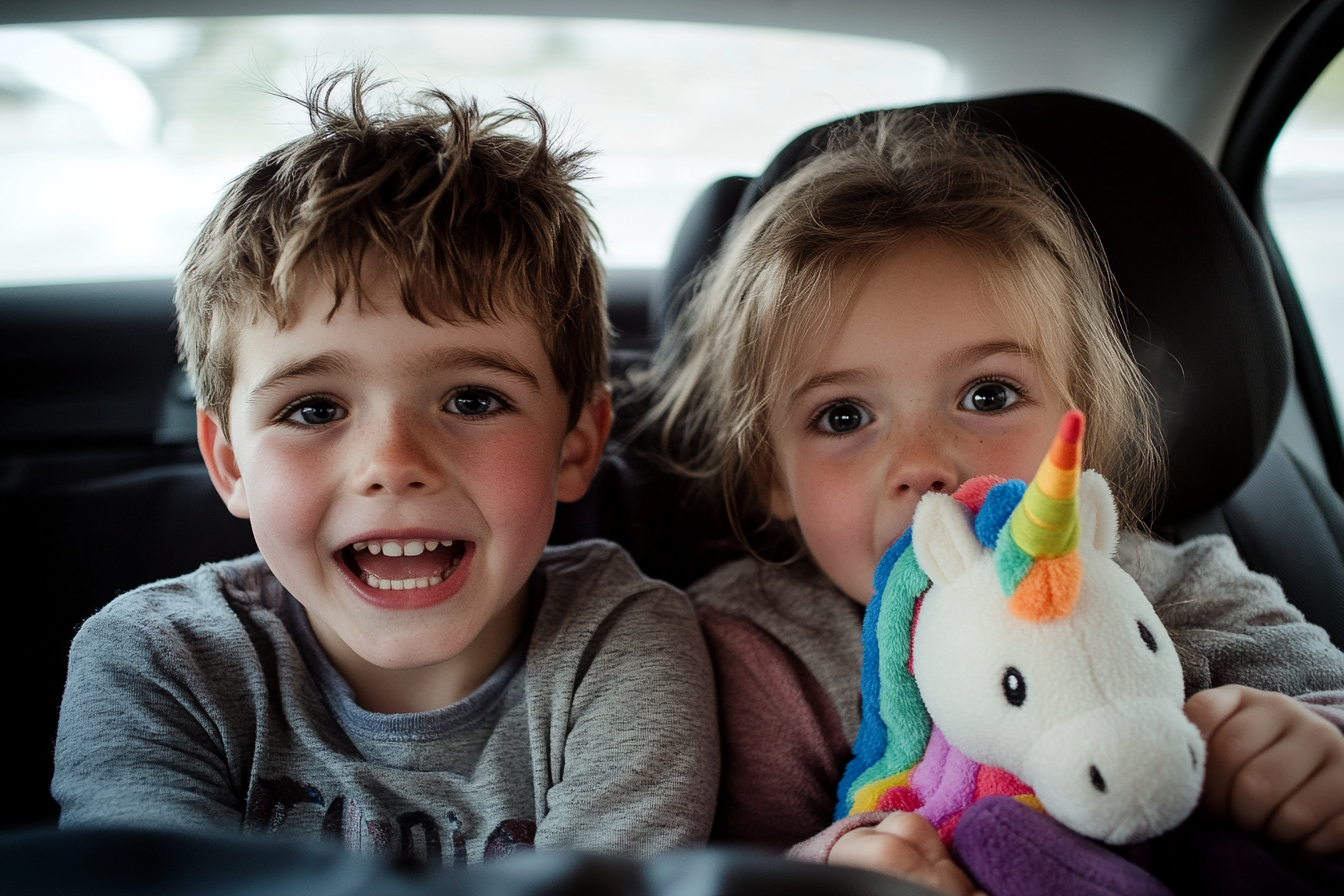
697,241
79,547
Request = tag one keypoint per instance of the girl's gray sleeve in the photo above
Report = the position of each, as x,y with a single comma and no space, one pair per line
637,772
1234,626
139,743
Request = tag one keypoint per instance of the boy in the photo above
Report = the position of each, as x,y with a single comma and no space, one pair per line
396,330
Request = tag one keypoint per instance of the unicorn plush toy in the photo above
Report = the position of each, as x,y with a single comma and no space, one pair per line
1006,653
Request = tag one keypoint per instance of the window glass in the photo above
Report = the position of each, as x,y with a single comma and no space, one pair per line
1304,198
116,137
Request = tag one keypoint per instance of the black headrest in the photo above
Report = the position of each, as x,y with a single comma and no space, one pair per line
1200,305
698,240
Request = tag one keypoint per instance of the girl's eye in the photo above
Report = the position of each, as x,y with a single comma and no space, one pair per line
990,396
315,412
843,417
474,403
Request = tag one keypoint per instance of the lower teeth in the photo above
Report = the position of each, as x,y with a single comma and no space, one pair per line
400,584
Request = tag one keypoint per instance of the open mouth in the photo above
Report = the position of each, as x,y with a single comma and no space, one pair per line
403,564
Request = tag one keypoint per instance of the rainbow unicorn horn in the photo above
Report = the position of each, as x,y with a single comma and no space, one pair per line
1044,525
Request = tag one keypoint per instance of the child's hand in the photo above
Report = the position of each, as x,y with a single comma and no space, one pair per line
1274,766
904,845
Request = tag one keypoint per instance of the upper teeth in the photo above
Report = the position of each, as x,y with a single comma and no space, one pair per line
398,548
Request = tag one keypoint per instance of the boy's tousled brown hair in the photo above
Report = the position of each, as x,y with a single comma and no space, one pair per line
782,284
474,214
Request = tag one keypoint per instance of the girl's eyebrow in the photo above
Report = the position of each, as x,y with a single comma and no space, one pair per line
972,354
844,377
958,357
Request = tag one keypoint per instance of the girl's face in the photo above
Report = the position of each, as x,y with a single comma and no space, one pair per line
927,383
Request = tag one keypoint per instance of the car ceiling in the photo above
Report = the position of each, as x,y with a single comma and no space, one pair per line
1186,62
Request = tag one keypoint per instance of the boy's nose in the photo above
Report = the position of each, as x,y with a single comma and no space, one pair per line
396,459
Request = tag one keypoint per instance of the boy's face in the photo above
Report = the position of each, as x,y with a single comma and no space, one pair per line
927,383
401,477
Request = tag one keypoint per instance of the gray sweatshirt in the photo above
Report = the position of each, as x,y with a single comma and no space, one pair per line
205,702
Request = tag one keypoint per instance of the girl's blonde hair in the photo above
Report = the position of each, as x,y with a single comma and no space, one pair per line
776,292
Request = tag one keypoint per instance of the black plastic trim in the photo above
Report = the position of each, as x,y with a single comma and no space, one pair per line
1307,44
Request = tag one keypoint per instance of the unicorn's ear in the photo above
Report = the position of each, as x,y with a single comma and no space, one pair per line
1098,523
945,544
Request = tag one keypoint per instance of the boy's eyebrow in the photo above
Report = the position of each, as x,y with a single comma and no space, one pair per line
324,364
499,361
337,363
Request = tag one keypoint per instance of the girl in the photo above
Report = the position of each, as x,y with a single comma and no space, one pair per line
912,308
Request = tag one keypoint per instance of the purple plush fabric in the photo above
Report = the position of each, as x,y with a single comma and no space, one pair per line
1012,850
1204,856
944,780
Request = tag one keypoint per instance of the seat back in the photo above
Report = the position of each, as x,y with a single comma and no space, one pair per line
1202,314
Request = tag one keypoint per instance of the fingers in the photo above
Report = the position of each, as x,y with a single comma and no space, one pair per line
904,845
1209,709
917,832
1238,726
1278,790
1327,840
1274,766
1312,813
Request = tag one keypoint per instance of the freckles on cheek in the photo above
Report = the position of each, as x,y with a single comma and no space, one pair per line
516,483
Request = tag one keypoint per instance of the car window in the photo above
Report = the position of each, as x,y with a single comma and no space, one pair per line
117,136
1304,200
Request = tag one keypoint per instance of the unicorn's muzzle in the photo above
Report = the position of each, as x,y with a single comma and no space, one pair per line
1122,773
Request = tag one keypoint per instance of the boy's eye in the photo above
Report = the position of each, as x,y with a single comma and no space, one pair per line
991,396
843,417
474,403
315,412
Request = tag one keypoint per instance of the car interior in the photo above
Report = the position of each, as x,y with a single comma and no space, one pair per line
103,489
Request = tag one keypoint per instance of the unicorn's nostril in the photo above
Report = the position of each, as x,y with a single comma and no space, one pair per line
1194,757
1097,780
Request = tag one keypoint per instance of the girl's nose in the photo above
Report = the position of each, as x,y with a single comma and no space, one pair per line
397,458
922,463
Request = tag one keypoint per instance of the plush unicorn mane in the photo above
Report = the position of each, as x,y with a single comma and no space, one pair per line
987,587
895,727
1033,531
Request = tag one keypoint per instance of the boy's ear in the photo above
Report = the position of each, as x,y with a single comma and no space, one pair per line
581,451
221,462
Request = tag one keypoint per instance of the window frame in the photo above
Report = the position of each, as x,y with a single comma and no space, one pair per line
1303,49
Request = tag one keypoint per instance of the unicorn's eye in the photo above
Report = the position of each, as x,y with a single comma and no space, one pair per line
1014,687
1148,640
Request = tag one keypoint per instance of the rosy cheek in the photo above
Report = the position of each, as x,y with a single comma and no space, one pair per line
285,499
514,485
830,512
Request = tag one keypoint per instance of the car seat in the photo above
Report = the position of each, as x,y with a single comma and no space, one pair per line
1200,307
